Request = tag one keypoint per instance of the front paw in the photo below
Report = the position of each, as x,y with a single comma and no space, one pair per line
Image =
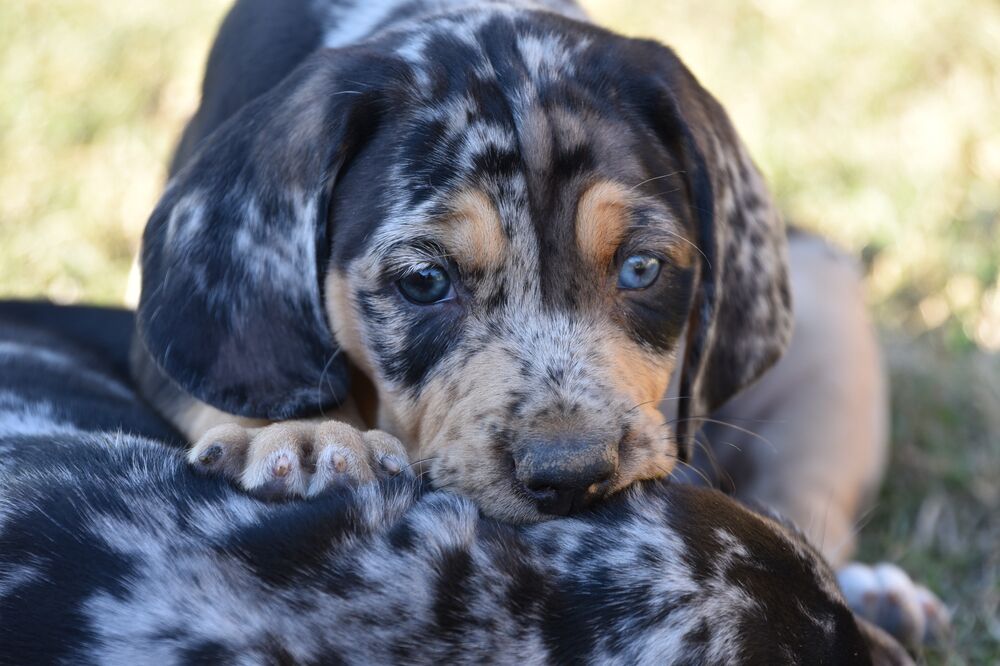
886,596
298,458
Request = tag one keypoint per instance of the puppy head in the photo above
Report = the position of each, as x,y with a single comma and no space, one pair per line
509,224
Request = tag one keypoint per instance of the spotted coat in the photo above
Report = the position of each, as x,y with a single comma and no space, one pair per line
113,551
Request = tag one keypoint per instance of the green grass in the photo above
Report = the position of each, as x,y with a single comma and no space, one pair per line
95,93
937,515
876,123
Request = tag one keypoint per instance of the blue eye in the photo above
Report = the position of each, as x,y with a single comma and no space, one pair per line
638,272
425,286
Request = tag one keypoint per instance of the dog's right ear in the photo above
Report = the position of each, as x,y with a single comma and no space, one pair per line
234,255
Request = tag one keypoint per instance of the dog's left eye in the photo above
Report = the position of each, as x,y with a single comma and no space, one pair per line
426,286
638,272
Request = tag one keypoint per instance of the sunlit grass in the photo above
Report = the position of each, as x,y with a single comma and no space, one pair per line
876,122
95,93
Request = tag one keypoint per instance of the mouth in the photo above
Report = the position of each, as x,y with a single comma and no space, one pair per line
531,475
504,497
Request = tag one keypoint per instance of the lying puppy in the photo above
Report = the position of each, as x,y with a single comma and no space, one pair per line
112,551
532,252
493,230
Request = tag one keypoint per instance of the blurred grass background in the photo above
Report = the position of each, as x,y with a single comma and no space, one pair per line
876,123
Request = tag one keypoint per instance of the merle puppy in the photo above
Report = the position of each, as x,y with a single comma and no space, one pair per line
481,234
113,551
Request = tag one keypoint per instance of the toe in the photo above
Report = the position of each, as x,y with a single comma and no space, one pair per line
387,453
274,475
333,470
937,617
343,454
278,461
222,450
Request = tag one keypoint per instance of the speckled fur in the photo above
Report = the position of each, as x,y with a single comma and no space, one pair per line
269,264
112,551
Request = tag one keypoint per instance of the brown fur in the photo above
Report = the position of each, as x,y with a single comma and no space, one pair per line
602,218
473,232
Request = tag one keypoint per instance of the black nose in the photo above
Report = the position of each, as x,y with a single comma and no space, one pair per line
566,474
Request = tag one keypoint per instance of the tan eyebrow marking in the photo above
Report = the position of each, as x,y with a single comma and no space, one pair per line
602,218
474,231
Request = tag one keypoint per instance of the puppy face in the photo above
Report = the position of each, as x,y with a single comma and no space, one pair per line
519,301
507,220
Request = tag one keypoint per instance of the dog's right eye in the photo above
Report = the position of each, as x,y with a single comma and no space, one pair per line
426,286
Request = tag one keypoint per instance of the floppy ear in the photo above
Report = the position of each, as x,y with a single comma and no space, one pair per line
740,320
234,255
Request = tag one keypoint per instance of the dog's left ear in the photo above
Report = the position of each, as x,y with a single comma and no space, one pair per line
741,319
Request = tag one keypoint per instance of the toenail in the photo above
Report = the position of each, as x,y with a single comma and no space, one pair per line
282,466
392,464
211,455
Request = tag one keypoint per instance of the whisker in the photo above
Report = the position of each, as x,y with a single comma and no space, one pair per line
743,419
689,242
657,401
670,437
826,512
650,180
859,524
649,402
417,462
697,471
746,431
663,193
322,377
718,468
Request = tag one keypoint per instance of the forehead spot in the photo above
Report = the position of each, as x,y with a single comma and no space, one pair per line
473,231
602,219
